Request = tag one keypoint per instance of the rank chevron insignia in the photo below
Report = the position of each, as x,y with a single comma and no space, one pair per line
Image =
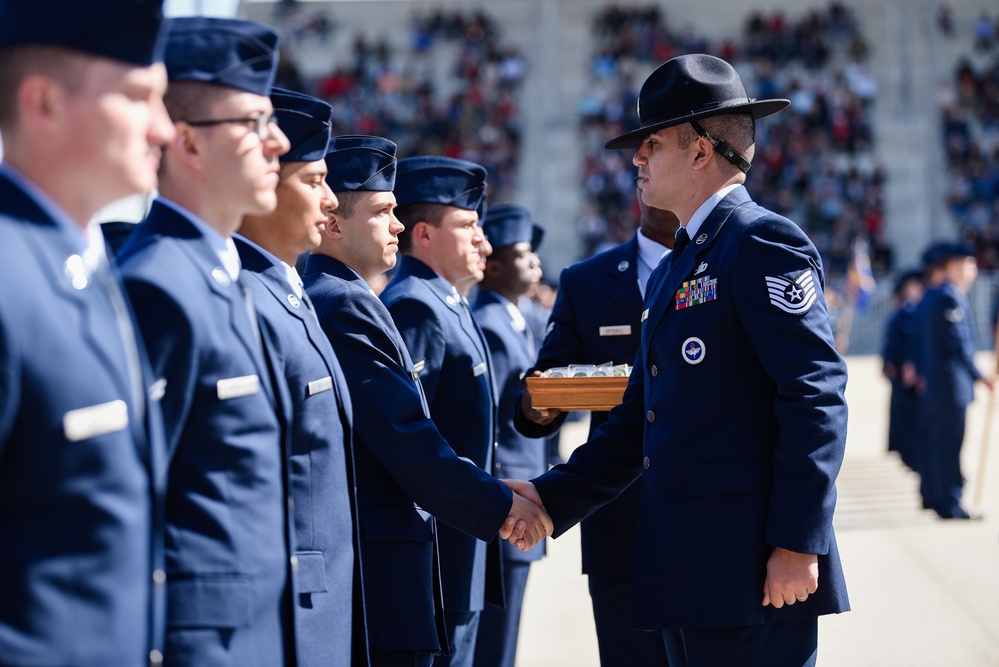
794,297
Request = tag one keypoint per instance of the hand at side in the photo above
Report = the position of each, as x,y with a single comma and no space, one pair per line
791,577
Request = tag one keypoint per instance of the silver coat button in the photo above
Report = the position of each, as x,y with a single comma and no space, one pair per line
646,463
651,416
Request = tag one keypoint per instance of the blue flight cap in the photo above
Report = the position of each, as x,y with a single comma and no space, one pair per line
124,30
433,179
224,52
306,121
956,250
360,162
507,224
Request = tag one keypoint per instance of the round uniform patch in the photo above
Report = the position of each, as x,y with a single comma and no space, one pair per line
450,300
623,266
693,351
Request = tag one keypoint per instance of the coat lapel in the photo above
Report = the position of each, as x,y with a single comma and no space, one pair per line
621,287
665,281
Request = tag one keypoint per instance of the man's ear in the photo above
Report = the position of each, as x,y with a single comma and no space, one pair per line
333,227
422,234
187,147
705,149
40,101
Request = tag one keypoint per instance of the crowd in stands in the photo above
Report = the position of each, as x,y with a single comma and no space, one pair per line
970,117
815,164
391,88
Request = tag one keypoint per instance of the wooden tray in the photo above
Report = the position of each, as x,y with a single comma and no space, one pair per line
581,393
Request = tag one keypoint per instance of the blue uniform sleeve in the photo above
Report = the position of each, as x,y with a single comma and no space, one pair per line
391,421
9,386
169,337
953,322
602,468
781,306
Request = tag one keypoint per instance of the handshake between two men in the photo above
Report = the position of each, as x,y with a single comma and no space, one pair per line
528,523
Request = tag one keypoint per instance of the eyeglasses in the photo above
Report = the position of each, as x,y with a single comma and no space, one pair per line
261,124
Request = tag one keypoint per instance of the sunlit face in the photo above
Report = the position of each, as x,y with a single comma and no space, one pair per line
517,268
116,125
371,234
238,167
658,159
458,247
961,273
304,202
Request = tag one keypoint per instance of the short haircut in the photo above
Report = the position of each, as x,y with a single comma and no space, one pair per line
17,63
410,214
190,100
737,130
348,200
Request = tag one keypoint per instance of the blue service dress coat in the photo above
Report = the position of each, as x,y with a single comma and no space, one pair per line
406,471
457,378
517,456
227,536
735,419
596,319
899,350
82,465
320,467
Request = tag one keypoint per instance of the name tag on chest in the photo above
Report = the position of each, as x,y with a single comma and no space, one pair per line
478,369
95,420
244,385
617,330
320,385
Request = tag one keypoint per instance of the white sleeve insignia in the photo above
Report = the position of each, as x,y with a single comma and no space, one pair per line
792,296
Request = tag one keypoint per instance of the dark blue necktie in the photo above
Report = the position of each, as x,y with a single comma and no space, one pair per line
681,241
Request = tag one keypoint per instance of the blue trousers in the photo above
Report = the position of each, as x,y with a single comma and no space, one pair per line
783,644
620,646
500,628
942,481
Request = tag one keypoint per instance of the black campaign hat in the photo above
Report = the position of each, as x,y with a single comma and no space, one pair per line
687,88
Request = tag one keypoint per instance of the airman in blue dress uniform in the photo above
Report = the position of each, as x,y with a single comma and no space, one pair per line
320,468
597,319
735,415
407,474
510,273
442,249
82,451
228,555
946,367
897,354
